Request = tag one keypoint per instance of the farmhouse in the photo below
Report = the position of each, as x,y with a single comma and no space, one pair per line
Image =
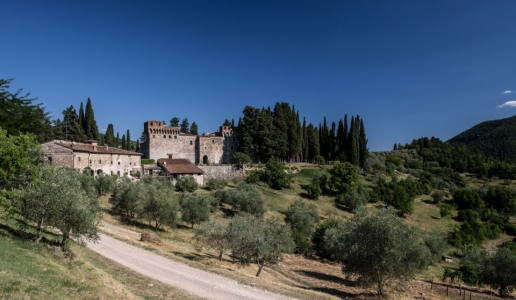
176,168
100,159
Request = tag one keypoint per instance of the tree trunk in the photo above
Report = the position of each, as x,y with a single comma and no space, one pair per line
64,242
220,255
260,267
40,227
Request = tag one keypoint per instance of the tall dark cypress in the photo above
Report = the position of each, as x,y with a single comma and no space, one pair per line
117,141
305,141
341,142
92,130
364,152
332,142
124,146
353,150
82,119
109,137
128,144
71,128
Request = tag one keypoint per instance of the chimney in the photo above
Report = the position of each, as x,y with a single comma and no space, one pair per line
106,146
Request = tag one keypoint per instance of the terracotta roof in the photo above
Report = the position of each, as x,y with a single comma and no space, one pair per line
81,147
179,166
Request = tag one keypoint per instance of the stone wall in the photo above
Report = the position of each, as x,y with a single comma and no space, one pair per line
222,172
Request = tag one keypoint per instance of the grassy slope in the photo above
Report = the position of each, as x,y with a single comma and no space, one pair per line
32,271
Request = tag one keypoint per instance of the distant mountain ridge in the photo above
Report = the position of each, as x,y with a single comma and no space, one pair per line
495,138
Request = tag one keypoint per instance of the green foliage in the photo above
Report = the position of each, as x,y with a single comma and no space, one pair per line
245,198
216,184
318,237
195,208
185,126
395,160
502,199
175,121
90,125
194,129
437,246
104,184
498,269
60,200
445,210
320,160
160,207
437,196
240,159
353,200
186,184
275,174
468,199
401,200
314,191
254,239
344,177
253,176
18,114
147,161
70,127
302,217
129,197
214,235
377,248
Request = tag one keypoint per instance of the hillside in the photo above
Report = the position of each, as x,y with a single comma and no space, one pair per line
495,138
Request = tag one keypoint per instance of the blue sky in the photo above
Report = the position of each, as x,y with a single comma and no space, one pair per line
408,68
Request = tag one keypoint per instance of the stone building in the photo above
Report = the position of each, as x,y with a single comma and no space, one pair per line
100,159
179,167
162,141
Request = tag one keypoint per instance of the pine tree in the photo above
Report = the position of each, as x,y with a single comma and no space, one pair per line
226,123
175,121
71,127
194,129
92,130
185,126
58,132
128,143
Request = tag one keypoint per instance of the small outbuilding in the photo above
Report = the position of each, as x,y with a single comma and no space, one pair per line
175,168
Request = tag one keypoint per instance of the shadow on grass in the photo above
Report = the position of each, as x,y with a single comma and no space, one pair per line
427,201
327,277
135,223
190,256
228,213
343,208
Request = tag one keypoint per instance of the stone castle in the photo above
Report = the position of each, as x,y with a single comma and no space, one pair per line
162,141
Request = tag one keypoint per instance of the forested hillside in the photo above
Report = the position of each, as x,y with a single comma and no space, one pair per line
494,138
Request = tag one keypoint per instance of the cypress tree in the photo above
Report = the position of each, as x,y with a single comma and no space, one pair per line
232,123
109,137
82,119
117,140
226,123
364,152
305,141
123,142
353,149
137,145
128,143
92,130
332,142
340,153
313,142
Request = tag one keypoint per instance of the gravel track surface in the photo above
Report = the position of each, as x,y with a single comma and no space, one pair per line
199,282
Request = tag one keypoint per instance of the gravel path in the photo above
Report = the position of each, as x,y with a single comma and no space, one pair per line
196,281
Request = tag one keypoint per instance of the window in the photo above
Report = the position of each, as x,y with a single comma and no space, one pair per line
153,136
191,143
79,158
90,161
111,163
164,136
130,163
111,172
169,136
118,163
213,141
175,137
118,173
50,158
100,161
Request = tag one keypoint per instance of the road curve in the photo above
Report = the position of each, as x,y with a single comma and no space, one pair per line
199,282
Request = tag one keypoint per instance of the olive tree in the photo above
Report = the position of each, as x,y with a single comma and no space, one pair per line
302,217
344,177
187,184
195,208
254,239
214,235
245,198
377,248
59,199
160,206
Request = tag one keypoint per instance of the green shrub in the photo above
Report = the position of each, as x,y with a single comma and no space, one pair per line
147,161
314,191
253,176
216,184
186,184
195,208
318,244
352,200
445,210
510,229
438,196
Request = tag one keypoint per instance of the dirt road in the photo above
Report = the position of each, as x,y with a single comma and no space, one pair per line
196,281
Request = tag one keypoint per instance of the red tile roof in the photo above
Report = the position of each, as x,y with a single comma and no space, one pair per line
179,166
90,148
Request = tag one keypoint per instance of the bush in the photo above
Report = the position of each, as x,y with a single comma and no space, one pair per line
302,217
510,229
186,184
445,210
245,198
147,161
216,184
318,237
253,176
314,191
438,196
275,175
468,199
104,184
352,200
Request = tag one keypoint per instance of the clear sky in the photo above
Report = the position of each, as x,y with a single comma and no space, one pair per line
408,68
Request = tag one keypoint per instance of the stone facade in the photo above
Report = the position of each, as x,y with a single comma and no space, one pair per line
162,141
100,159
222,172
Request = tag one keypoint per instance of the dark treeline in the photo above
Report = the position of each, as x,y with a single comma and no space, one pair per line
436,153
265,133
